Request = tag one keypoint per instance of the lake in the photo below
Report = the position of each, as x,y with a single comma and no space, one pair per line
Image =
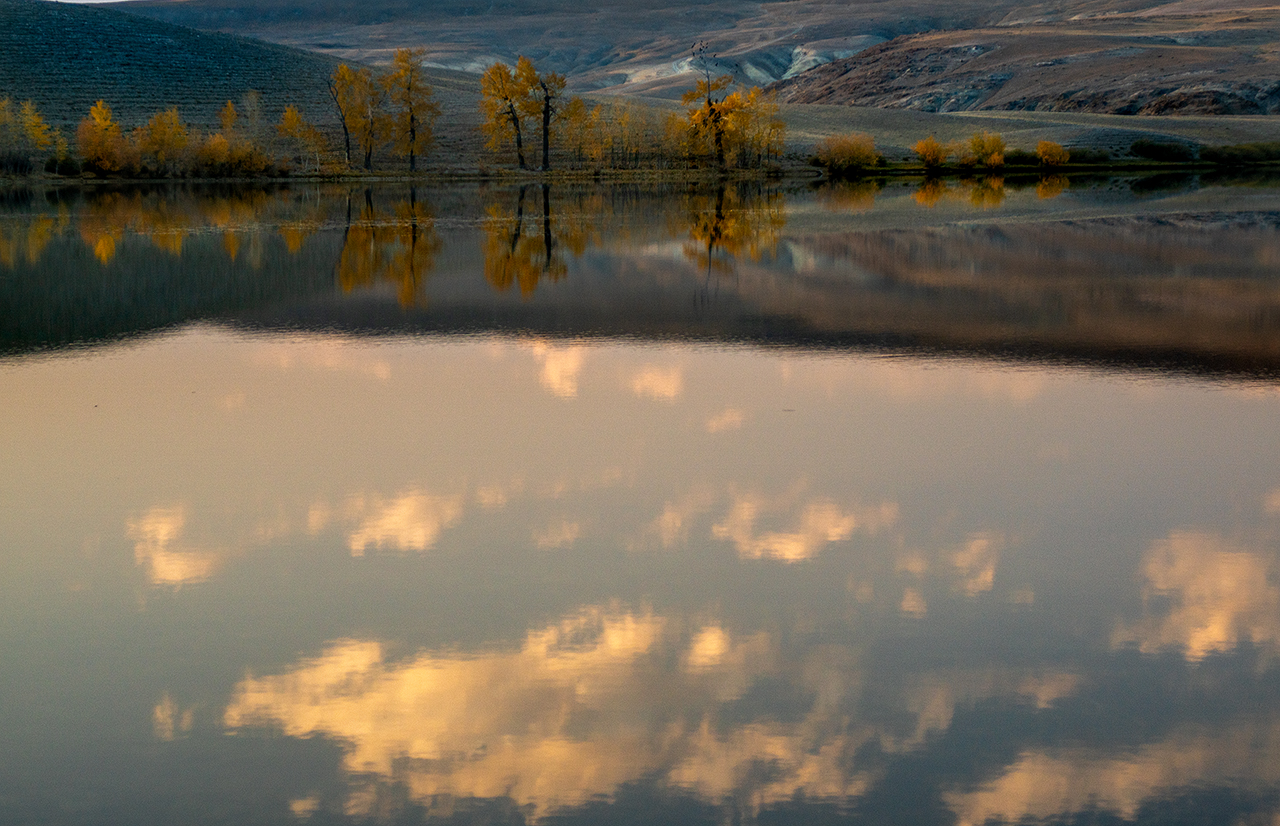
883,502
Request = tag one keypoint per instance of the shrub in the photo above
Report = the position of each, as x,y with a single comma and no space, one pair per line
985,149
1156,151
1080,154
1052,154
1241,154
932,154
62,166
14,163
847,154
1020,157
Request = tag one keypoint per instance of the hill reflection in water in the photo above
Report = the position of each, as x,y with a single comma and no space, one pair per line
569,558
949,266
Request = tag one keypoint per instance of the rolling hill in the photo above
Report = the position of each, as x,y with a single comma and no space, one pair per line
1118,56
65,57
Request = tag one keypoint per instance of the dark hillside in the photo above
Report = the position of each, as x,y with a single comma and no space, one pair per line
65,57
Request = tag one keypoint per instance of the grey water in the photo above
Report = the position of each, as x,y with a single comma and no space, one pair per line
888,502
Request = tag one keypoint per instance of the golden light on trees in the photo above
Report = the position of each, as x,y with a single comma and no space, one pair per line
931,153
305,141
1052,154
24,136
101,143
164,138
413,107
543,102
506,97
344,88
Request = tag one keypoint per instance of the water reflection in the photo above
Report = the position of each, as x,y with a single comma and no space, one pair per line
283,566
399,249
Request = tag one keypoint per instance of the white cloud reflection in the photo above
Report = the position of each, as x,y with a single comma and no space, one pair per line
819,523
1218,595
655,382
159,549
411,521
561,366
604,697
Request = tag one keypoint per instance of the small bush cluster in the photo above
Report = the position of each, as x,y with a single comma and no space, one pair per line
1088,156
847,155
1158,151
985,149
1241,154
1052,154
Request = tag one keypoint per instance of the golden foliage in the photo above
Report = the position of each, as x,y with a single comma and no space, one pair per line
163,139
847,153
361,105
24,136
932,153
984,149
505,100
413,107
101,142
305,141
1052,154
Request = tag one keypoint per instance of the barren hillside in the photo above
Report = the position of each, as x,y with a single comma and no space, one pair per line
1181,58
1125,56
64,57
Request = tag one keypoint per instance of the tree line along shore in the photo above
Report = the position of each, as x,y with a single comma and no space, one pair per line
530,124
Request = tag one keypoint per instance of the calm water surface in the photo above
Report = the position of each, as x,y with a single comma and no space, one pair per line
888,503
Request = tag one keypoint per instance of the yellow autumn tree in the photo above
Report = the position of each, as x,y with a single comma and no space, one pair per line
754,129
163,140
543,102
413,107
24,136
100,141
1052,154
706,115
505,100
359,101
304,139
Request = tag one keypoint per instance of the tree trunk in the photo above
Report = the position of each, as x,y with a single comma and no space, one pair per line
546,128
413,139
342,118
515,122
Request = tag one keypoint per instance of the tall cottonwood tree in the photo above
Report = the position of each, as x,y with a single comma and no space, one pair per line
544,101
707,117
345,87
413,107
506,98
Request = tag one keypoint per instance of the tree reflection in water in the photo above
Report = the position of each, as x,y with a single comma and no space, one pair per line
521,253
727,224
399,249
